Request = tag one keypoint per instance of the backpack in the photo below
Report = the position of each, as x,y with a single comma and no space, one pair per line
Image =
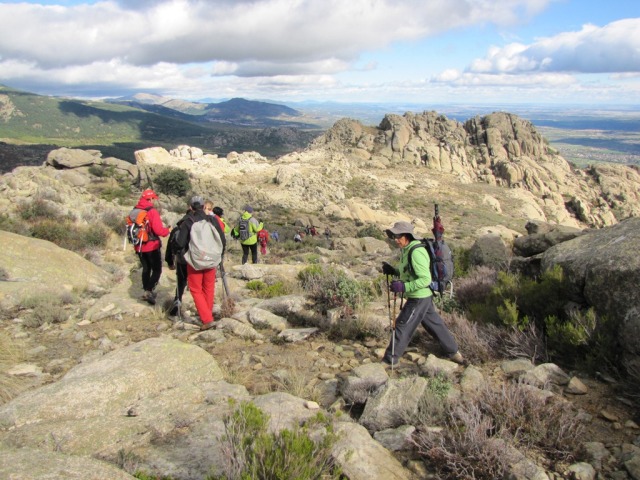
205,246
441,260
174,252
138,227
243,229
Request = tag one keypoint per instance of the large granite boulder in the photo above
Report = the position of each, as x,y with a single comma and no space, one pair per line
603,267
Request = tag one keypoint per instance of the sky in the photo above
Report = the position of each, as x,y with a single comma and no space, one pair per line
579,52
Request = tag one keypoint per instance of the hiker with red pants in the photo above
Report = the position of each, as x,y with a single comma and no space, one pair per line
150,252
412,283
201,280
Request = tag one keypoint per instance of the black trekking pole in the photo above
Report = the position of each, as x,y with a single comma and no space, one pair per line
393,331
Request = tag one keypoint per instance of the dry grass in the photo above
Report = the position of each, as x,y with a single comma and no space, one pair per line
11,353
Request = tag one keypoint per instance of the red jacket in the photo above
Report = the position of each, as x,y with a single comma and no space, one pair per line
155,227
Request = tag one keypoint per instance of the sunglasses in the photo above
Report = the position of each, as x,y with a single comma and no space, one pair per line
394,236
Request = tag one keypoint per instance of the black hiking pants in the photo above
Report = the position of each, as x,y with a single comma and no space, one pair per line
181,279
151,268
254,253
418,311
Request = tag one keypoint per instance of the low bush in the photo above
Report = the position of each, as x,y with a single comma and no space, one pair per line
46,307
268,290
371,231
172,181
330,287
482,435
38,208
67,234
251,451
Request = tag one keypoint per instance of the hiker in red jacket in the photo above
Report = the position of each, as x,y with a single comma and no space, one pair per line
150,252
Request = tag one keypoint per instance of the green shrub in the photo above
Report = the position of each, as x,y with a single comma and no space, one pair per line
173,181
68,235
121,195
13,225
253,452
264,290
38,209
330,287
461,261
371,231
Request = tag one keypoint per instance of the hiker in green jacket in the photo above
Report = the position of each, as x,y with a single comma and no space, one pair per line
413,285
247,232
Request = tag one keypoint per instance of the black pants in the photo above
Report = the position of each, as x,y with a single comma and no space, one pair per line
151,268
418,311
254,253
181,279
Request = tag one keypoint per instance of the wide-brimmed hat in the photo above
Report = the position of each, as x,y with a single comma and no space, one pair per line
400,228
149,194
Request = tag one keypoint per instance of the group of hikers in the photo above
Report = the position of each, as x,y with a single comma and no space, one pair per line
196,249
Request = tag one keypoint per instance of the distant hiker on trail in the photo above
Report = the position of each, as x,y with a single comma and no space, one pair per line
150,251
263,239
327,233
246,231
413,283
297,238
275,235
203,242
313,231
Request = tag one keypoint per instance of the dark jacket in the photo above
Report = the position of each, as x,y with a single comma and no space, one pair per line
182,241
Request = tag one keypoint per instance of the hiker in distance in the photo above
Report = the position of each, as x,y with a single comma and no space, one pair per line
413,285
202,240
247,232
150,252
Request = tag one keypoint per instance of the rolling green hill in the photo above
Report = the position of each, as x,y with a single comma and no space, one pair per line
28,120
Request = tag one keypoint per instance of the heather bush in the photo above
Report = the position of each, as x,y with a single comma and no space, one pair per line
481,435
46,307
478,341
359,326
67,234
38,208
330,288
251,451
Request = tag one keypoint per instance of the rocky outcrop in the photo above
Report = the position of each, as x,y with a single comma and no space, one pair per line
499,149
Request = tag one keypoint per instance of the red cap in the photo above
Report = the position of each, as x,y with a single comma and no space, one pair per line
149,194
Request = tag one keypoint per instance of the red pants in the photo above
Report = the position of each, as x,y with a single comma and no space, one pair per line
202,285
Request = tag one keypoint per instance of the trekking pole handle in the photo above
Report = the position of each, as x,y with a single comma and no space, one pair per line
436,210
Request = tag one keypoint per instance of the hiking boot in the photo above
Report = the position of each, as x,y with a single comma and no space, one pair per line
148,297
459,359
175,308
207,326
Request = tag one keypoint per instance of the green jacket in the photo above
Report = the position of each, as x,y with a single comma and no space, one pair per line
416,285
254,228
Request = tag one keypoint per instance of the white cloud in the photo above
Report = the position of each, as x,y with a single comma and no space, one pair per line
614,48
269,31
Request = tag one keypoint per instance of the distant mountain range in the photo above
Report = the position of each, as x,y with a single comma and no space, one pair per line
33,124
237,111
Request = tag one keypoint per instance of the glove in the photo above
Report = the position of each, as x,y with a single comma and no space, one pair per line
388,269
397,286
